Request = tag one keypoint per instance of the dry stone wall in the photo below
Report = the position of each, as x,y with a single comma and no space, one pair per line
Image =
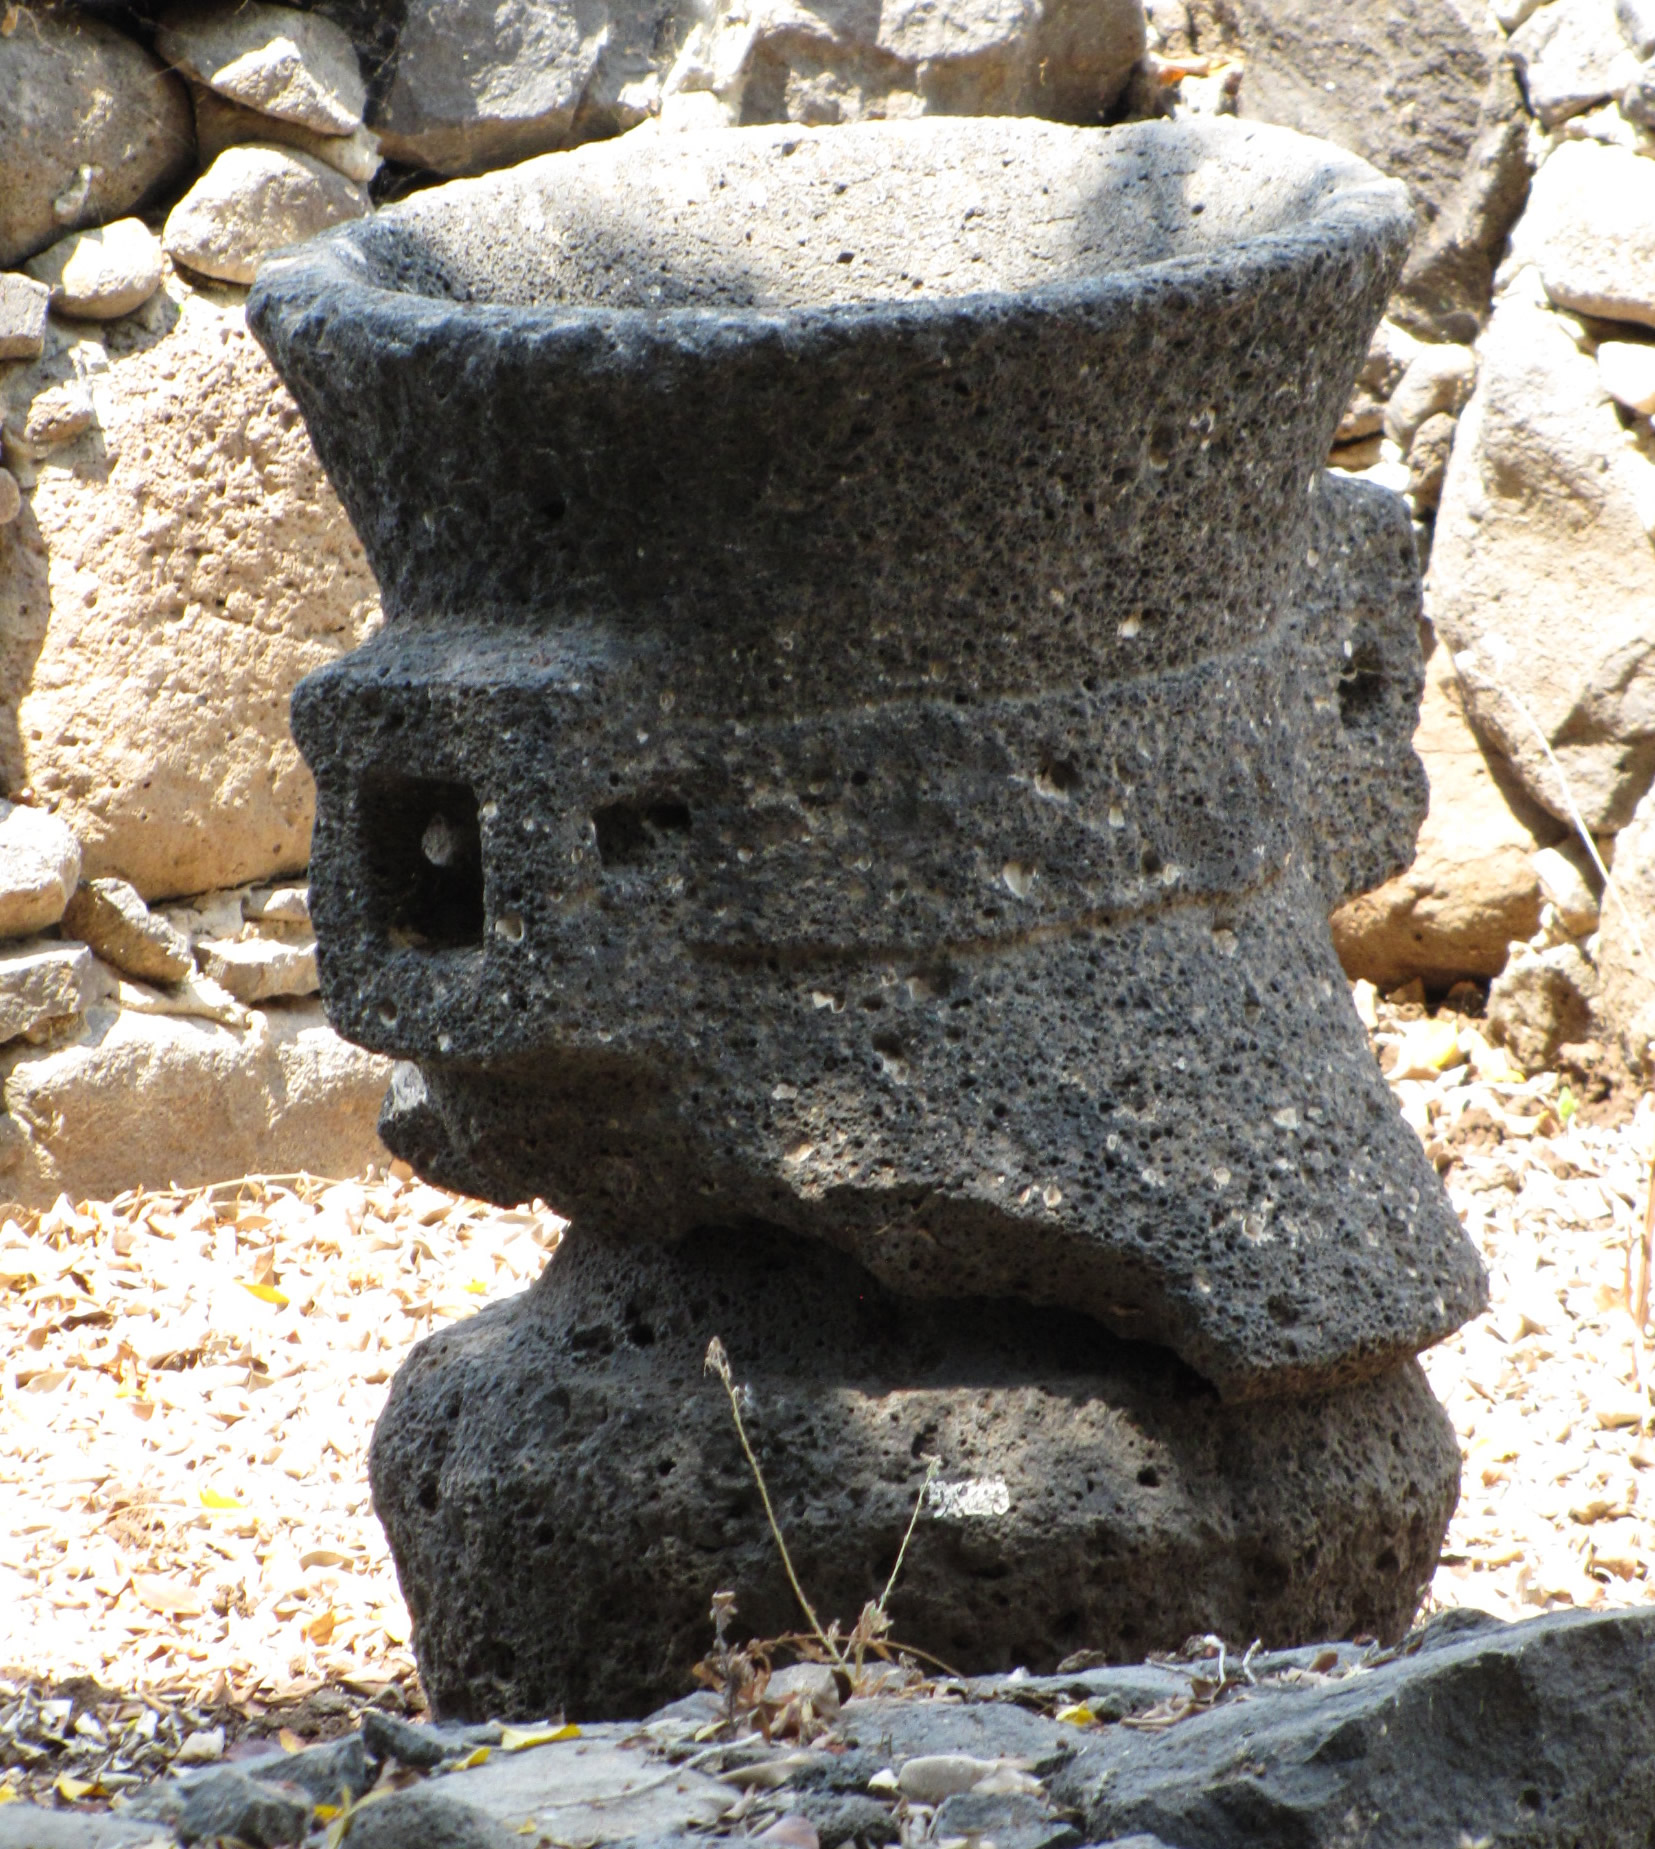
173,560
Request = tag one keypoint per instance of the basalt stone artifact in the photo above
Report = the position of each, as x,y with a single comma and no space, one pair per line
565,1490
878,699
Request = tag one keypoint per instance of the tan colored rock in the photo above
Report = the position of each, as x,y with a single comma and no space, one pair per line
91,126
253,200
278,911
1627,369
1428,457
109,916
39,868
183,568
41,985
209,914
1572,54
1590,228
1472,887
1439,379
58,415
11,498
773,61
1542,576
197,997
1625,1003
137,1099
221,124
23,306
1425,92
256,969
1540,1001
103,274
1568,883
297,66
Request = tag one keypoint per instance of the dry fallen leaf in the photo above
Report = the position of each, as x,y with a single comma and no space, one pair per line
515,1739
167,1597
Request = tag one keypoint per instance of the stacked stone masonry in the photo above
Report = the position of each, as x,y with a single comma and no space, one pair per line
174,561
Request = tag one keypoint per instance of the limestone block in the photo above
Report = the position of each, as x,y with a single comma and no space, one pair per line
1625,1002
297,66
40,862
102,274
221,124
1425,93
1542,1000
182,567
1542,577
11,498
481,83
1636,19
57,415
1572,54
135,1099
278,911
980,57
94,126
1472,887
209,914
1627,368
252,200
23,306
1637,100
256,969
1438,380
1428,457
111,917
1568,882
42,983
1590,228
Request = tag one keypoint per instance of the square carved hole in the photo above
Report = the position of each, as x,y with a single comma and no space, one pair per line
423,851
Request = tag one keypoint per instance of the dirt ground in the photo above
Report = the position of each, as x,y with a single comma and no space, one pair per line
191,1380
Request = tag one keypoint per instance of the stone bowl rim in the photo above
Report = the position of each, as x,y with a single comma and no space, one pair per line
334,276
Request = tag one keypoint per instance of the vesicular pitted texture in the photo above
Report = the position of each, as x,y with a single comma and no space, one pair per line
563,1490
877,703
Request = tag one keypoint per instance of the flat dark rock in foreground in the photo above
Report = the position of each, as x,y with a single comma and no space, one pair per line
1534,1735
1521,1736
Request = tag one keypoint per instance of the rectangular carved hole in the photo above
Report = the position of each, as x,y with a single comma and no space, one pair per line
423,853
631,833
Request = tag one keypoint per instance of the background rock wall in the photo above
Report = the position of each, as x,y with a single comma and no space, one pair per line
172,560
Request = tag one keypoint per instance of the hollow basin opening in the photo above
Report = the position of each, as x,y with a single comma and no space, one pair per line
781,217
422,849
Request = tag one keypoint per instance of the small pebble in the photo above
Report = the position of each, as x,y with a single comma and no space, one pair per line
201,1748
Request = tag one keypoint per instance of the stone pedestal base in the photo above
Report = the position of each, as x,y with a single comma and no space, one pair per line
564,1492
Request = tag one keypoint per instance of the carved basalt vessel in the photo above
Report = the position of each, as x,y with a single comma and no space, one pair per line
878,698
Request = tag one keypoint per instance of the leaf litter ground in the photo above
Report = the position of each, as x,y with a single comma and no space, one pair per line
188,1555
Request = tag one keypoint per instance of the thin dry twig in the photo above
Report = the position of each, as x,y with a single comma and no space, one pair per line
931,1469
718,1363
1639,1299
1576,817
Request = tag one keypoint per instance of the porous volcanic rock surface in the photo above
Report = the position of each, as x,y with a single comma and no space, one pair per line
563,1492
747,872
825,786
